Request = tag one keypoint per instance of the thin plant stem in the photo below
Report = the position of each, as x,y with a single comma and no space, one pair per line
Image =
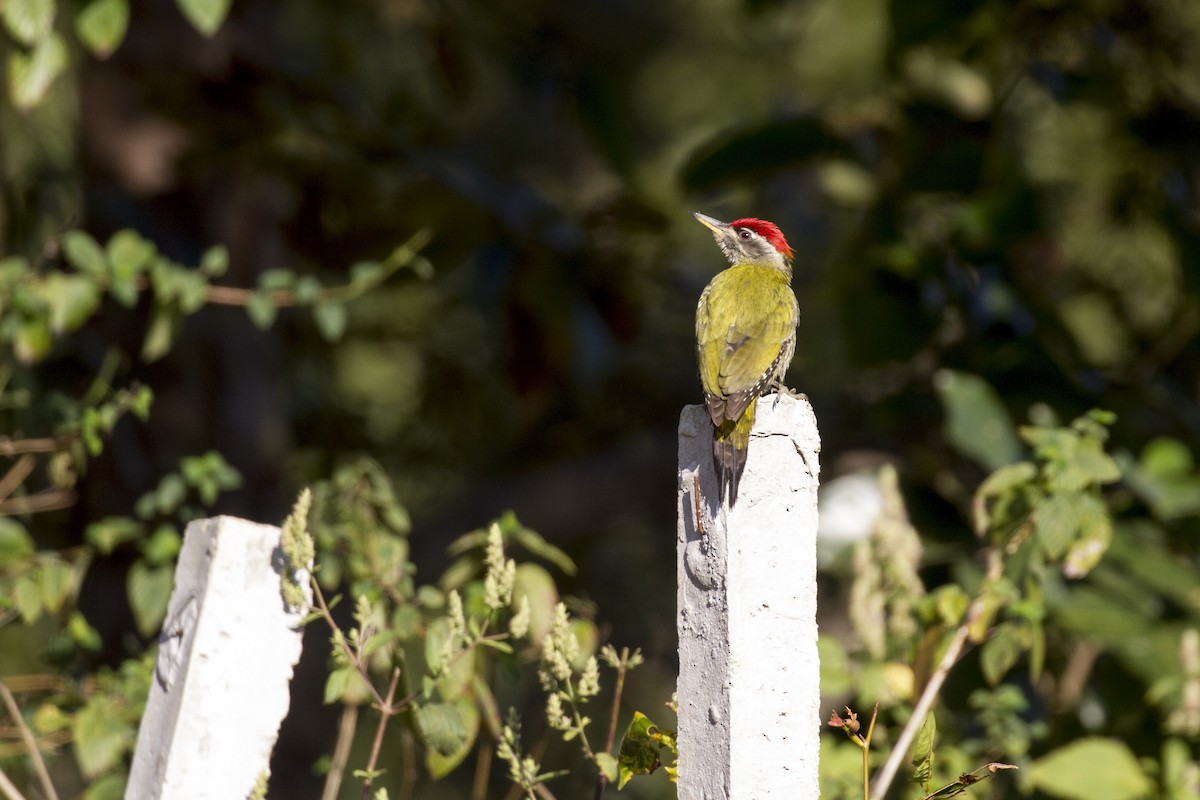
618,689
386,711
9,788
341,751
483,768
888,772
39,765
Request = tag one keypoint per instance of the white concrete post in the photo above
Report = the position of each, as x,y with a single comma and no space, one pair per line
225,660
749,676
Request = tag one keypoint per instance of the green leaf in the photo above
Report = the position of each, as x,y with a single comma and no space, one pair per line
922,759
101,25
32,339
55,578
163,546
1091,769
261,309
1056,522
977,424
440,762
84,253
534,583
110,532
215,261
1000,652
129,253
206,16
276,279
639,753
16,544
28,21
607,766
159,335
149,590
72,299
331,320
836,675
336,683
170,493
447,728
49,718
102,736
27,597
110,787
82,633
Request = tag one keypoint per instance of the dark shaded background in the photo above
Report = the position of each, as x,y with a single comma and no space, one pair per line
1006,189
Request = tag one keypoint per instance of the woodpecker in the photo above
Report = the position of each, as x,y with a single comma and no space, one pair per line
745,335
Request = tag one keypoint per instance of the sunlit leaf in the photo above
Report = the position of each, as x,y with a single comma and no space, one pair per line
102,737
101,25
149,591
1091,769
206,16
977,423
28,21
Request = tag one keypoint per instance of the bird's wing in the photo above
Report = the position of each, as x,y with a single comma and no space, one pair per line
741,346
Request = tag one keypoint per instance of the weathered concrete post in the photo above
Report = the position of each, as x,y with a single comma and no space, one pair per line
749,675
225,660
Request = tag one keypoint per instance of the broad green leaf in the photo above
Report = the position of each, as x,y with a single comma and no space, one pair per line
331,320
55,578
28,21
170,494
71,298
16,544
206,16
31,74
639,753
977,424
101,25
102,736
106,534
1000,652
149,590
1007,478
1091,769
445,727
84,253
441,763
1056,522
1095,536
608,766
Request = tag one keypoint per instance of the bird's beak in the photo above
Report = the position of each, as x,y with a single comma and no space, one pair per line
715,225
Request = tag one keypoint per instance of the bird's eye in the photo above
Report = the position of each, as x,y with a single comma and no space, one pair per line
745,233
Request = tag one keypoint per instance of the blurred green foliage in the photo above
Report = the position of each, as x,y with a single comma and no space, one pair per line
994,206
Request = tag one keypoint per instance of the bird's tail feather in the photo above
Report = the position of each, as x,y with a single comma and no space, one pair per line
731,441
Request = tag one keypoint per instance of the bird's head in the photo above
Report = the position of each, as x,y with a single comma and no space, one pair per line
750,241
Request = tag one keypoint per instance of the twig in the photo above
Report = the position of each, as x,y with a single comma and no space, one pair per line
16,474
483,768
9,789
385,713
883,780
39,766
48,500
48,444
622,668
408,778
341,751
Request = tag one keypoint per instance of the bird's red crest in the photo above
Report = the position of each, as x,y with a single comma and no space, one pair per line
769,231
